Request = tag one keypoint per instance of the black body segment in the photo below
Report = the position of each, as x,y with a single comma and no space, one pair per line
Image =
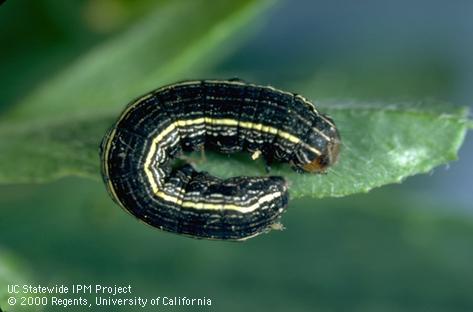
138,155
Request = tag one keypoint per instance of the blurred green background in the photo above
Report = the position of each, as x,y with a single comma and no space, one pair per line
406,247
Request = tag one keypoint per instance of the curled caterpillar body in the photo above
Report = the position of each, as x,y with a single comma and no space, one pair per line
138,154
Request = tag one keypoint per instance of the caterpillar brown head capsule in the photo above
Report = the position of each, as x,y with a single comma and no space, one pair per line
138,155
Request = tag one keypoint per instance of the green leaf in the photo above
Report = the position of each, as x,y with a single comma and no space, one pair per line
381,144
56,130
174,42
40,152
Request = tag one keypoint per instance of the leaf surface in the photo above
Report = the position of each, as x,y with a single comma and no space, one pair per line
381,144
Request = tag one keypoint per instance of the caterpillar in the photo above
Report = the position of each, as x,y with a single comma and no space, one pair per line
138,155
